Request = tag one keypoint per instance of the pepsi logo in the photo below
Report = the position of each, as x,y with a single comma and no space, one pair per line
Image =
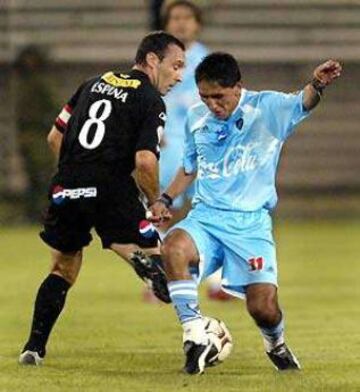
58,195
146,229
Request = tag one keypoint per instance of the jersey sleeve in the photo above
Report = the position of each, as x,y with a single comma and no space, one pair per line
190,154
63,118
284,112
152,127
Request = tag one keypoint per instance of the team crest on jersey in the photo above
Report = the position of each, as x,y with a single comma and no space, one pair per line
256,263
222,133
146,229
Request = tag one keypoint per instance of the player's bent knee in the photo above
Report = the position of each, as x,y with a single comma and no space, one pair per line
177,253
264,310
174,248
70,278
265,313
67,266
66,273
171,252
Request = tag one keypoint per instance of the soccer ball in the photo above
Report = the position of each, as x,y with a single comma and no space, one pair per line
221,338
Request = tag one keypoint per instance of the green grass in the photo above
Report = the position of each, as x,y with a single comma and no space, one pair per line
108,340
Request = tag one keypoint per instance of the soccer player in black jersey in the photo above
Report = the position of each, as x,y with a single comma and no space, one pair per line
108,133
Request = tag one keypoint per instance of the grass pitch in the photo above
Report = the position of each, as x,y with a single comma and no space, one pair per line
107,339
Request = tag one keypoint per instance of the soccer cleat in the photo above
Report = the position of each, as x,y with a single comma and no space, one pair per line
31,358
283,358
151,271
197,356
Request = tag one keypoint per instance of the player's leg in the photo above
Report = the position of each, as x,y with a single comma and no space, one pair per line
66,230
122,226
250,271
180,253
148,265
126,251
262,304
49,303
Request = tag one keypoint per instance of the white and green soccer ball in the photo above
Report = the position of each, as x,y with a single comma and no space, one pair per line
220,336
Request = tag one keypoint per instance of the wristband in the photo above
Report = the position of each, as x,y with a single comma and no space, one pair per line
166,199
318,86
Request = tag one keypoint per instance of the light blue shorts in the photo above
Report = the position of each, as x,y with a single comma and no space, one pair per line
239,242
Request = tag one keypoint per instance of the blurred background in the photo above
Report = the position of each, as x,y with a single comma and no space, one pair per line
47,48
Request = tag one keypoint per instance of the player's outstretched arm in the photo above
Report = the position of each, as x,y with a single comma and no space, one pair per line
323,76
158,211
180,183
147,174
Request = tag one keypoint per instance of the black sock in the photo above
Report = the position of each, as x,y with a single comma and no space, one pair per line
49,303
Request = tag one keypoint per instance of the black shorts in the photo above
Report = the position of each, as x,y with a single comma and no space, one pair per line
81,200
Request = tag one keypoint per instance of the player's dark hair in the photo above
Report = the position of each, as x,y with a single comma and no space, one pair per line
218,67
156,42
195,10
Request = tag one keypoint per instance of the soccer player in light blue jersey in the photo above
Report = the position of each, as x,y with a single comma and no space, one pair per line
232,147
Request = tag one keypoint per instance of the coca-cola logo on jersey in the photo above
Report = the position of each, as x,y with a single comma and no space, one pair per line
237,159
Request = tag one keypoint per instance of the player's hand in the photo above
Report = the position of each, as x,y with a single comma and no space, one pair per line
327,72
158,213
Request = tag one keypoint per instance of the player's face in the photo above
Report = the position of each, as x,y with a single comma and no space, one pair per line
169,70
182,24
221,101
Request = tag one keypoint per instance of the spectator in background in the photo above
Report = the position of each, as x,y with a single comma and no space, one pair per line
35,109
183,19
155,7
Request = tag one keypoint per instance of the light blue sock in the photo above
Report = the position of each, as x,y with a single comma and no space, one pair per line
184,296
274,335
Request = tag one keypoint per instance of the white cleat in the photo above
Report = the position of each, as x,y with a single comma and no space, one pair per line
31,358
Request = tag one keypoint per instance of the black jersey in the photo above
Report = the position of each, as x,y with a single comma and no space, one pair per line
108,119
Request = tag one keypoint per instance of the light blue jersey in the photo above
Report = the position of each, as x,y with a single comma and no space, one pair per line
178,101
236,162
236,159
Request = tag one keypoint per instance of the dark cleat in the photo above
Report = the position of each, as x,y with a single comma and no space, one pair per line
151,271
196,356
283,358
